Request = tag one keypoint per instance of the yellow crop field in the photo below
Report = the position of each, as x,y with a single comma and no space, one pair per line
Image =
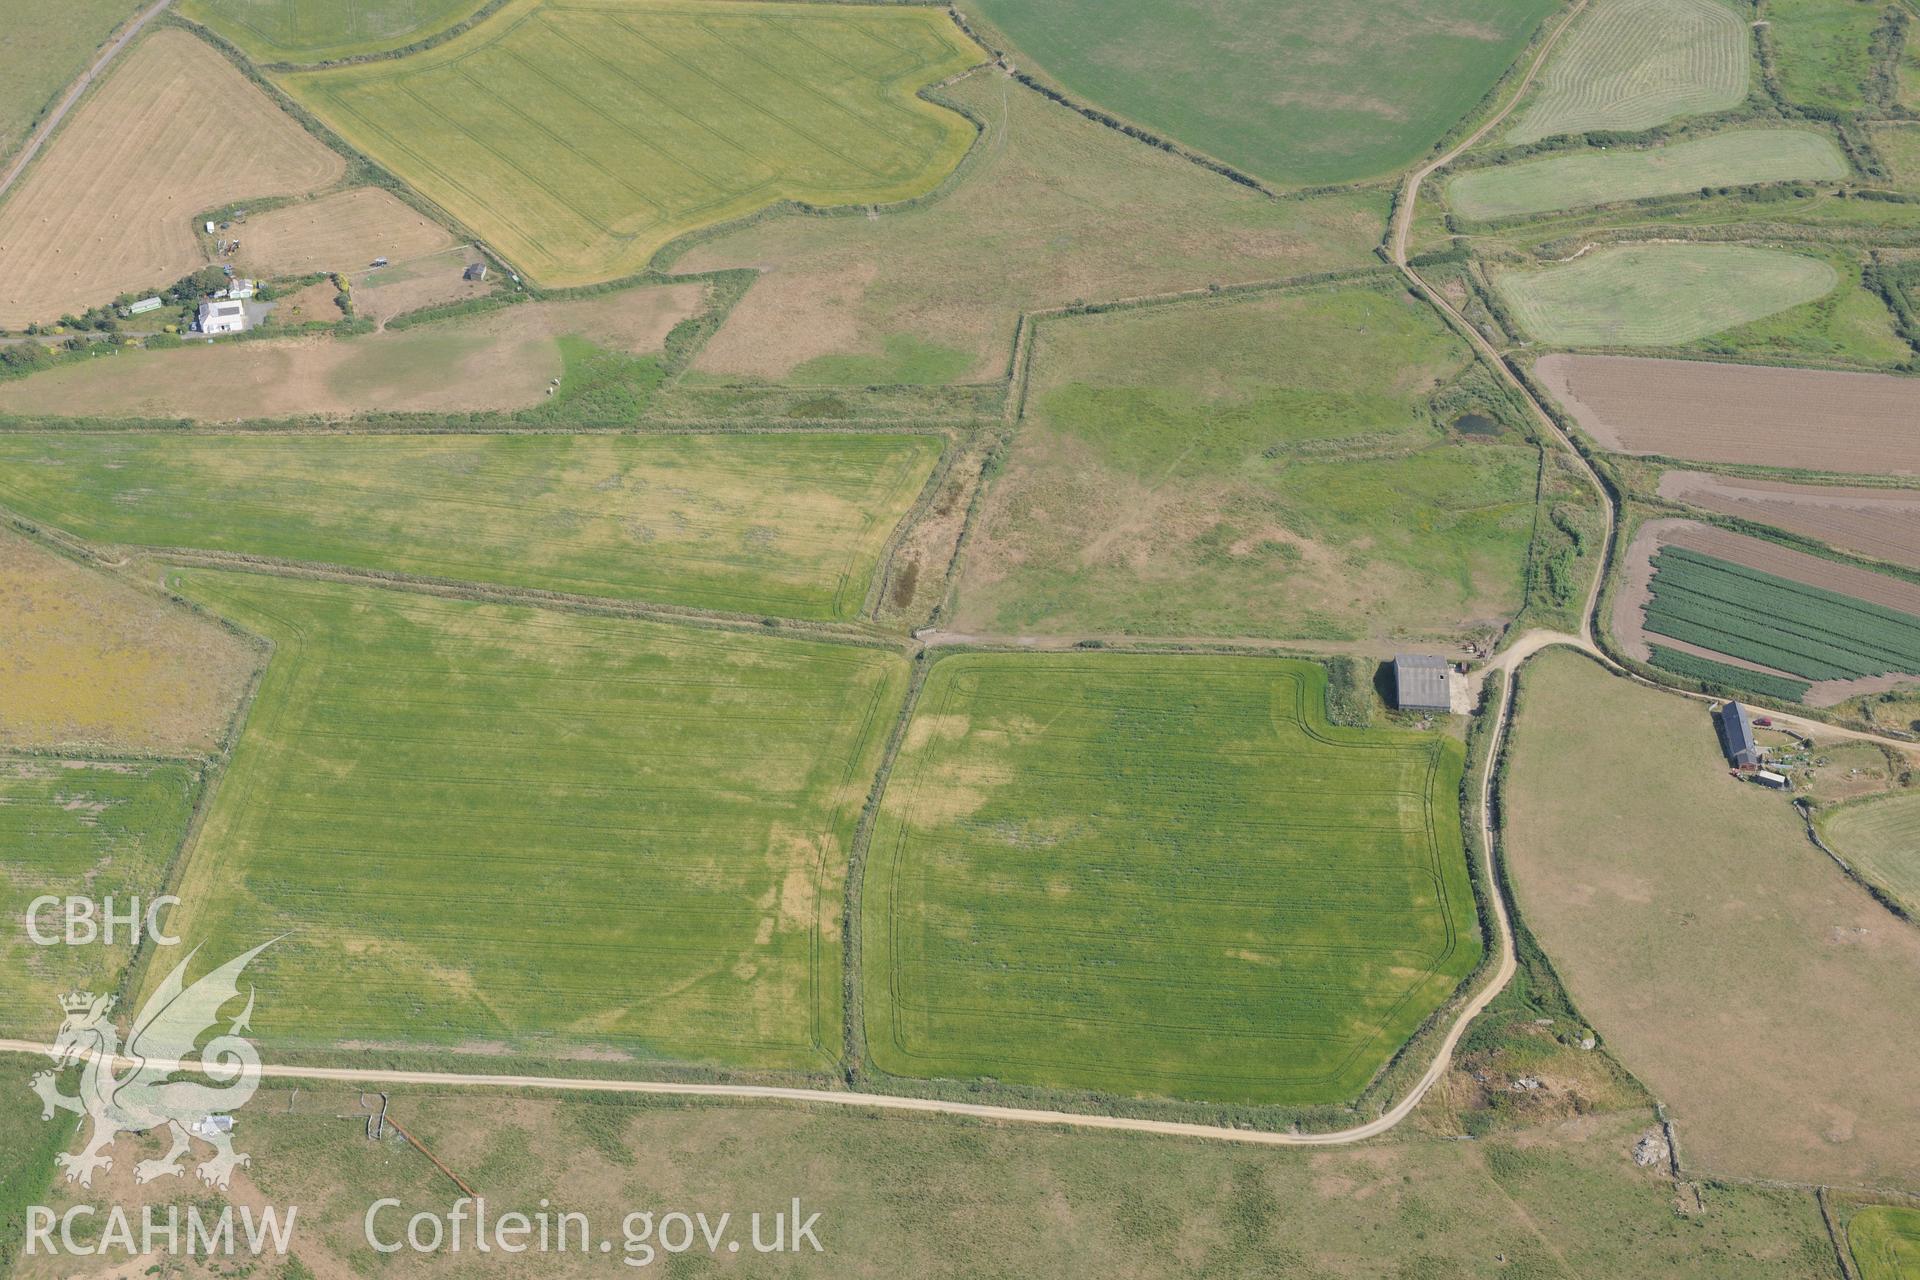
108,207
88,661
578,136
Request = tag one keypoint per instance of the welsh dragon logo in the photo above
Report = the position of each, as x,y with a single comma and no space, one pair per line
146,1096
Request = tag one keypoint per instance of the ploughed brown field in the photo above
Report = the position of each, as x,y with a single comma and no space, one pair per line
1883,524
1808,419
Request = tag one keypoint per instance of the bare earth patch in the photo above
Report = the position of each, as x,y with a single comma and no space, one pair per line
344,231
1810,419
89,661
107,209
381,293
1883,524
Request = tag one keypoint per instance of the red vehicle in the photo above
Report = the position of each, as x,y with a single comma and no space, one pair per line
1763,722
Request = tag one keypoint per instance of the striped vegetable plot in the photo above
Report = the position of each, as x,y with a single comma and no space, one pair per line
1787,625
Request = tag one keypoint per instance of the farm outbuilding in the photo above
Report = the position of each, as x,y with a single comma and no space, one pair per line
1736,734
1420,683
475,271
143,306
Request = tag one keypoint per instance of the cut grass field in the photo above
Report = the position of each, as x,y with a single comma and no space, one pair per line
1296,93
966,1200
1881,838
496,361
43,58
105,209
1781,623
1739,158
1659,295
90,828
1264,467
1051,207
1823,50
325,30
343,231
776,524
1804,419
1633,64
90,663
1159,876
1728,963
1885,1242
488,828
578,136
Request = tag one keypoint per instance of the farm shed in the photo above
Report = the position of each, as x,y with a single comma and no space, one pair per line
222,317
143,306
1736,733
1420,683
475,271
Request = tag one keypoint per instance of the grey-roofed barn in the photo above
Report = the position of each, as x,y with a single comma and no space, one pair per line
1420,683
1736,731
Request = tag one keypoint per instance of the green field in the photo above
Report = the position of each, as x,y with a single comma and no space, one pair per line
489,826
1695,667
1823,50
578,136
42,58
1881,838
1159,875
1266,466
323,30
783,524
1659,295
1634,64
1899,145
1294,92
1601,177
1777,622
1050,207
1885,1242
91,828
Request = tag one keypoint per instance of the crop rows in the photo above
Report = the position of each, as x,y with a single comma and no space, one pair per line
1163,876
1881,838
1633,64
767,524
578,136
1695,667
1787,625
555,832
77,827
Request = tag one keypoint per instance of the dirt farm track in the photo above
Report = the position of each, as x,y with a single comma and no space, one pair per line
109,206
1813,420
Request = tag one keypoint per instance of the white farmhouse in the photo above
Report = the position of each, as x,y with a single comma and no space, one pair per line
222,316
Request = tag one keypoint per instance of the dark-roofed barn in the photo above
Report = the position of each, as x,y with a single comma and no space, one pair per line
1736,733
